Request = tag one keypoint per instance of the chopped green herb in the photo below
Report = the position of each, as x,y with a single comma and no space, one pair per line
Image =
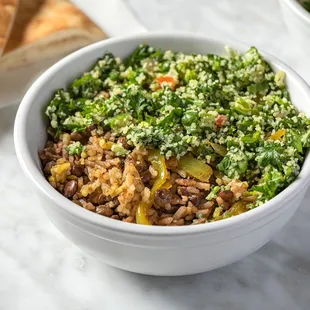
119,150
213,193
75,148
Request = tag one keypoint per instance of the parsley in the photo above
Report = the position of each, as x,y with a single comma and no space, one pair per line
270,154
271,182
85,87
234,164
75,148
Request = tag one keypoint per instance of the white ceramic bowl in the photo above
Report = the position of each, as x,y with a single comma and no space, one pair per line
297,20
147,249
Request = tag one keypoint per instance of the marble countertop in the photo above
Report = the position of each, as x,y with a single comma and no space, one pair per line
41,270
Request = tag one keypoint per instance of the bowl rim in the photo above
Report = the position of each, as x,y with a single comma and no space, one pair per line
37,178
298,9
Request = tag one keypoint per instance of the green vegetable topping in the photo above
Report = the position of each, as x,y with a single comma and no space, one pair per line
230,112
87,87
270,183
75,148
213,193
119,150
270,154
234,164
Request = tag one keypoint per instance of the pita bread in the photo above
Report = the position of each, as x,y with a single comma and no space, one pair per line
38,19
8,10
44,31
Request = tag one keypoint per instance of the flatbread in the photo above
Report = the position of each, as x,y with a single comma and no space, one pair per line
44,31
8,9
38,19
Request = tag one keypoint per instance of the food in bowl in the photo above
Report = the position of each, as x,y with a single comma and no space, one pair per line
165,138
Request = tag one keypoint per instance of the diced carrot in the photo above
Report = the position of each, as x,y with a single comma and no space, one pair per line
166,79
220,120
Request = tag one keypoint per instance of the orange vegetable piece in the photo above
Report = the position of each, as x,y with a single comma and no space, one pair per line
166,79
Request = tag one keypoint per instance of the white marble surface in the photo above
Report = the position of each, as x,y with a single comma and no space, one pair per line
41,270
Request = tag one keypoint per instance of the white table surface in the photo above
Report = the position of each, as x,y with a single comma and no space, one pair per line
41,270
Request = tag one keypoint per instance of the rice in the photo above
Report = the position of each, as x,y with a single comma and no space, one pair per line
113,186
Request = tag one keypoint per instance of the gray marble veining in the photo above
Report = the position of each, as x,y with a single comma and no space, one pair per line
41,270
